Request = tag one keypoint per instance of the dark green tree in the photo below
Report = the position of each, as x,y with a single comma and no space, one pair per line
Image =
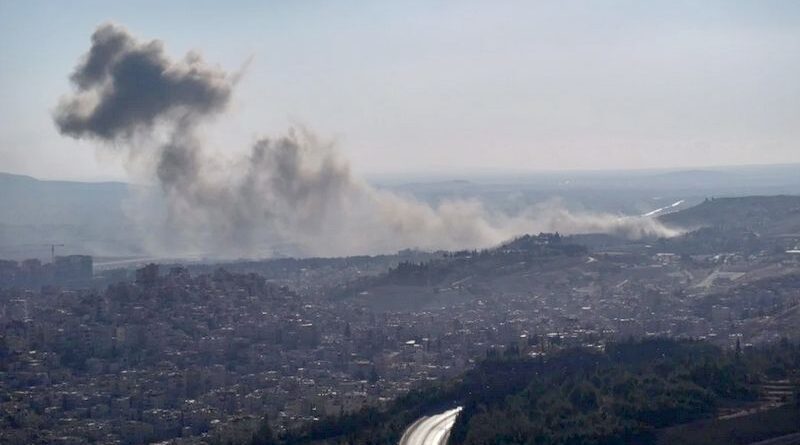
263,435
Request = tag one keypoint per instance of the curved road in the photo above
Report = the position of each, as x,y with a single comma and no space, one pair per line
430,430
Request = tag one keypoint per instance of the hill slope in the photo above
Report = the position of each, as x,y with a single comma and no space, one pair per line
85,216
769,215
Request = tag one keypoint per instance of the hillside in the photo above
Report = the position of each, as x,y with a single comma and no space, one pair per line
62,202
767,215
632,392
452,277
85,216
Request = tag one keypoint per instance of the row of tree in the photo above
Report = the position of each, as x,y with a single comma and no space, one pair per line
621,395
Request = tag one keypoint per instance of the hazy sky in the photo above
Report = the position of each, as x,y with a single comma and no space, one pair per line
442,86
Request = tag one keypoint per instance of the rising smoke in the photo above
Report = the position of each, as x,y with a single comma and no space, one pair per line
293,191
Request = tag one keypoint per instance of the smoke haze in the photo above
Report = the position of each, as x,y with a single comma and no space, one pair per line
292,191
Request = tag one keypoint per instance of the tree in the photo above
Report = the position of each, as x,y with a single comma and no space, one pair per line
373,375
263,435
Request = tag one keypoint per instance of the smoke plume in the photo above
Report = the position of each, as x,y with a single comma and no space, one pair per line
291,192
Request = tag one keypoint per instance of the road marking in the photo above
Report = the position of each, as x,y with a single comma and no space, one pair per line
430,430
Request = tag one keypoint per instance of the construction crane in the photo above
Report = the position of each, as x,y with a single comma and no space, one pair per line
53,251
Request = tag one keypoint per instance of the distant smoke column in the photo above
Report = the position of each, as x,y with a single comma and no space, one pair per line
291,190
126,90
123,86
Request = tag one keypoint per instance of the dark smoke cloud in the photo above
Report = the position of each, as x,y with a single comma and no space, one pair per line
124,86
292,192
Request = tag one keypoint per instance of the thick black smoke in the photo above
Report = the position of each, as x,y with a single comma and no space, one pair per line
292,192
124,86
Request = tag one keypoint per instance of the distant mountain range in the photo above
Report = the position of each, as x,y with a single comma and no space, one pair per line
93,217
84,216
32,201
769,215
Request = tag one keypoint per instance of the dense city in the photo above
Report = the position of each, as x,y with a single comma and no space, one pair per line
196,354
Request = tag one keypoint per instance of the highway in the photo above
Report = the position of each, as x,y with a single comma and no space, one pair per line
789,439
430,430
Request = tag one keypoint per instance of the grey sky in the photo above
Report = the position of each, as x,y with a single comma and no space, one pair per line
426,86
